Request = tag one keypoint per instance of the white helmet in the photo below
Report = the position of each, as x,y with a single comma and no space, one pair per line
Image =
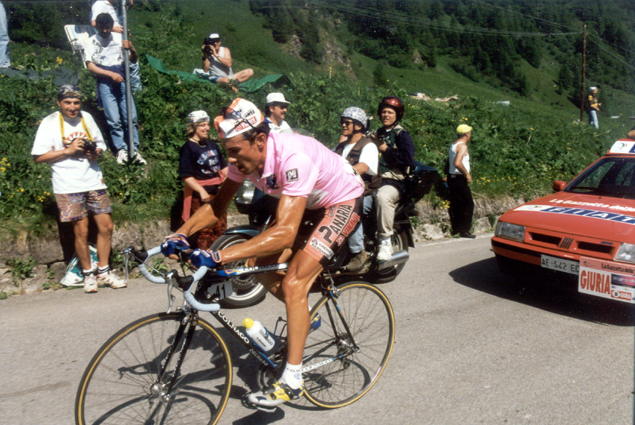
356,114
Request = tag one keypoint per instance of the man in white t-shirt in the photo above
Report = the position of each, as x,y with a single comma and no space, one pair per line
71,142
105,6
275,112
217,64
104,58
361,152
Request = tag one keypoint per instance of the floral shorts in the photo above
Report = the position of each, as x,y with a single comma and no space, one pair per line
76,206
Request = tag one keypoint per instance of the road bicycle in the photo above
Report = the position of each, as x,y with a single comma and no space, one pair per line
174,367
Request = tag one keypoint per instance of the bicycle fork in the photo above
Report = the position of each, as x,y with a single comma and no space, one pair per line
158,388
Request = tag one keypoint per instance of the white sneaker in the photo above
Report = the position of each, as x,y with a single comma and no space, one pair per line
385,250
90,284
122,156
139,158
111,279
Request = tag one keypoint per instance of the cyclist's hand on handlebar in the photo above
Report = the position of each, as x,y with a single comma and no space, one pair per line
174,244
205,258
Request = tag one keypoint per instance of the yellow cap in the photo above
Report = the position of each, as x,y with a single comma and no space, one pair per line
463,128
248,323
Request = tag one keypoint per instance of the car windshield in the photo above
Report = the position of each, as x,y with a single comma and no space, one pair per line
614,177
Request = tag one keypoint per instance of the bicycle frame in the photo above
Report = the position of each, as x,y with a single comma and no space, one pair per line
216,278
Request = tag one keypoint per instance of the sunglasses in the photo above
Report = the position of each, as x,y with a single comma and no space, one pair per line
346,122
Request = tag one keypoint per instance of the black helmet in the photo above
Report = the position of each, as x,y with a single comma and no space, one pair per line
392,102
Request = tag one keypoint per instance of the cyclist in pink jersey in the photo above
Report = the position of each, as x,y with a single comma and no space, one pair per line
305,175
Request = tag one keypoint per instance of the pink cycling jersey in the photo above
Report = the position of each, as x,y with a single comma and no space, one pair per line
297,165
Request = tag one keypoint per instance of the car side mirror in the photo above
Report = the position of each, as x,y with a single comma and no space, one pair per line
559,185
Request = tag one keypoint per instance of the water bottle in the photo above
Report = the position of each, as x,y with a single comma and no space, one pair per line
259,334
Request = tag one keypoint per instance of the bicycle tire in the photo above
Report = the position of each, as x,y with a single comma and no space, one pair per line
117,386
371,320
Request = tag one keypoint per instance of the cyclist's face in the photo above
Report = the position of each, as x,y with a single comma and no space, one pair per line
70,107
388,117
245,156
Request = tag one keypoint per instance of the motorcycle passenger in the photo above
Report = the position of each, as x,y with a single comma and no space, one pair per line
362,154
305,175
397,154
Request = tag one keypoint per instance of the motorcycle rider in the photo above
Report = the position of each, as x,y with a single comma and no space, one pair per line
362,154
305,175
397,154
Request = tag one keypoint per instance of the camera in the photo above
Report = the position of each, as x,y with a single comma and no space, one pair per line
89,146
207,44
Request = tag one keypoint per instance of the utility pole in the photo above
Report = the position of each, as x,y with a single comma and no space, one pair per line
126,64
583,72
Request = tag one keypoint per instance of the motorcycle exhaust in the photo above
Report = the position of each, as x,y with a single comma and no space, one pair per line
396,259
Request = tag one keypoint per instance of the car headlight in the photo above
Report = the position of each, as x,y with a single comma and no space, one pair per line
510,231
626,253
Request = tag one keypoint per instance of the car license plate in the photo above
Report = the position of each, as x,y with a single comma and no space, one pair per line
566,266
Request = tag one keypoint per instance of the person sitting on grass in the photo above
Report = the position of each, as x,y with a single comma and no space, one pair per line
217,64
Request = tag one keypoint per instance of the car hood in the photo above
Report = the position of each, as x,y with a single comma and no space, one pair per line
599,217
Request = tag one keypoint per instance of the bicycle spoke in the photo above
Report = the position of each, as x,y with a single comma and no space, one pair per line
121,384
345,370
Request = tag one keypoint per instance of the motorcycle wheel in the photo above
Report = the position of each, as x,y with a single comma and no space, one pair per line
399,243
247,290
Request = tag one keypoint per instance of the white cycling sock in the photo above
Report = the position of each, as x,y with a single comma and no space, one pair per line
292,375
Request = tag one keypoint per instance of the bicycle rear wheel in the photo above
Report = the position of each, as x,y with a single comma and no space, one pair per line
121,385
341,374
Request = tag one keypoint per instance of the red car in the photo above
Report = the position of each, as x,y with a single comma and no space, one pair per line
585,231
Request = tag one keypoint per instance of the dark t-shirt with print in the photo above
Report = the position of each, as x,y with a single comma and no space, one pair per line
201,162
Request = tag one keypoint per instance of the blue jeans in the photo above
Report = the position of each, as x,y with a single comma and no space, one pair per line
356,240
593,118
135,77
5,62
113,99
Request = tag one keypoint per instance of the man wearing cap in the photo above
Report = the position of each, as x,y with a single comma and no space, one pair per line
71,142
104,58
275,112
304,175
461,202
593,107
217,63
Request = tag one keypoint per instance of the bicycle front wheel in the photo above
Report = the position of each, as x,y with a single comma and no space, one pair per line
121,384
338,369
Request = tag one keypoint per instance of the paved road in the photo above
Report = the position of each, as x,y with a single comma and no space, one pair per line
472,347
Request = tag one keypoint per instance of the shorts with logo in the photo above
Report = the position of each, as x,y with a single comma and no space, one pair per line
329,230
76,206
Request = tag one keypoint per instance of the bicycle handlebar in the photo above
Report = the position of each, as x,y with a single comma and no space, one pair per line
187,283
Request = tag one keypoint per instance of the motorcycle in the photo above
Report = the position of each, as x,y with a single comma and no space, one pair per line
261,210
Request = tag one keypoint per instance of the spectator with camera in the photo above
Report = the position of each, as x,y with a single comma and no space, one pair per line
217,64
104,57
71,142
